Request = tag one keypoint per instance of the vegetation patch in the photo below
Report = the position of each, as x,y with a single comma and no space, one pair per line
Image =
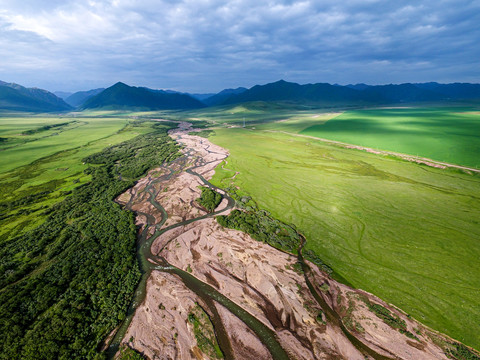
209,199
127,353
67,283
44,128
455,350
203,133
459,351
262,227
204,333
389,318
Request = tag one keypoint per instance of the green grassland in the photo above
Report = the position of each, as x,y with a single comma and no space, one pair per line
37,170
20,149
405,232
254,113
448,134
443,134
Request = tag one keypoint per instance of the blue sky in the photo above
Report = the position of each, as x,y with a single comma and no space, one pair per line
208,45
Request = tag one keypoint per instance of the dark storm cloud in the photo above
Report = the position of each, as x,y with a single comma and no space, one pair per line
201,45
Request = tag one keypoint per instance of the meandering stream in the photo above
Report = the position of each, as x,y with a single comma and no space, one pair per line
149,262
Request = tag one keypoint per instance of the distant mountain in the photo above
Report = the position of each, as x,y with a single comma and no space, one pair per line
454,91
122,96
62,94
80,97
18,98
360,86
403,93
323,94
200,97
223,95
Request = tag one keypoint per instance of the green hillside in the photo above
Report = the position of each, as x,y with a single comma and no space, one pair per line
14,97
122,96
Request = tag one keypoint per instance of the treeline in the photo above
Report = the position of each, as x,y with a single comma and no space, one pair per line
45,128
137,157
67,284
209,198
202,133
262,227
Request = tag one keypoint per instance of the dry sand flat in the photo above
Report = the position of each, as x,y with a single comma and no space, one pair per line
262,281
159,328
255,276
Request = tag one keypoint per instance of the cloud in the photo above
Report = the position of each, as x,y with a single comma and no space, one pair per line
205,45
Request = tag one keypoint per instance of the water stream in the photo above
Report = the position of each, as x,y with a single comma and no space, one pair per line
149,262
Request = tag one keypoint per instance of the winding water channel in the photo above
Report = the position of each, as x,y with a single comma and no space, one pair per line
149,262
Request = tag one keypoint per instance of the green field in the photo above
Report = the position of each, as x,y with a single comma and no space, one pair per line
443,134
407,233
448,134
48,162
68,268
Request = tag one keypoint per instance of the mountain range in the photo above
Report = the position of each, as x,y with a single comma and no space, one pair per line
121,96
14,97
323,94
78,98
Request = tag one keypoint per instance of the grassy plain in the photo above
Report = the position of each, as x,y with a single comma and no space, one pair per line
443,134
37,169
407,233
448,134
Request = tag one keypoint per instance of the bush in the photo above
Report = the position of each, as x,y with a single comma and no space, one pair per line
209,198
262,227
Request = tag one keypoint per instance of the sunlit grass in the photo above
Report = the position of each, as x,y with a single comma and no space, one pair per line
49,161
407,233
443,134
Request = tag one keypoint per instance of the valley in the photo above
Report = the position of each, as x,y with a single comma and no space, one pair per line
239,180
260,303
405,231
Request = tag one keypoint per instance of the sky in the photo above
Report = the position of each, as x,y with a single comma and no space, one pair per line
207,45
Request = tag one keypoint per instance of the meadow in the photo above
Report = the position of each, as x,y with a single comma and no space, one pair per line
39,166
447,134
443,134
404,232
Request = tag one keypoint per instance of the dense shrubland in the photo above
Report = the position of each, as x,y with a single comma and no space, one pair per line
262,227
209,198
45,128
67,284
203,133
